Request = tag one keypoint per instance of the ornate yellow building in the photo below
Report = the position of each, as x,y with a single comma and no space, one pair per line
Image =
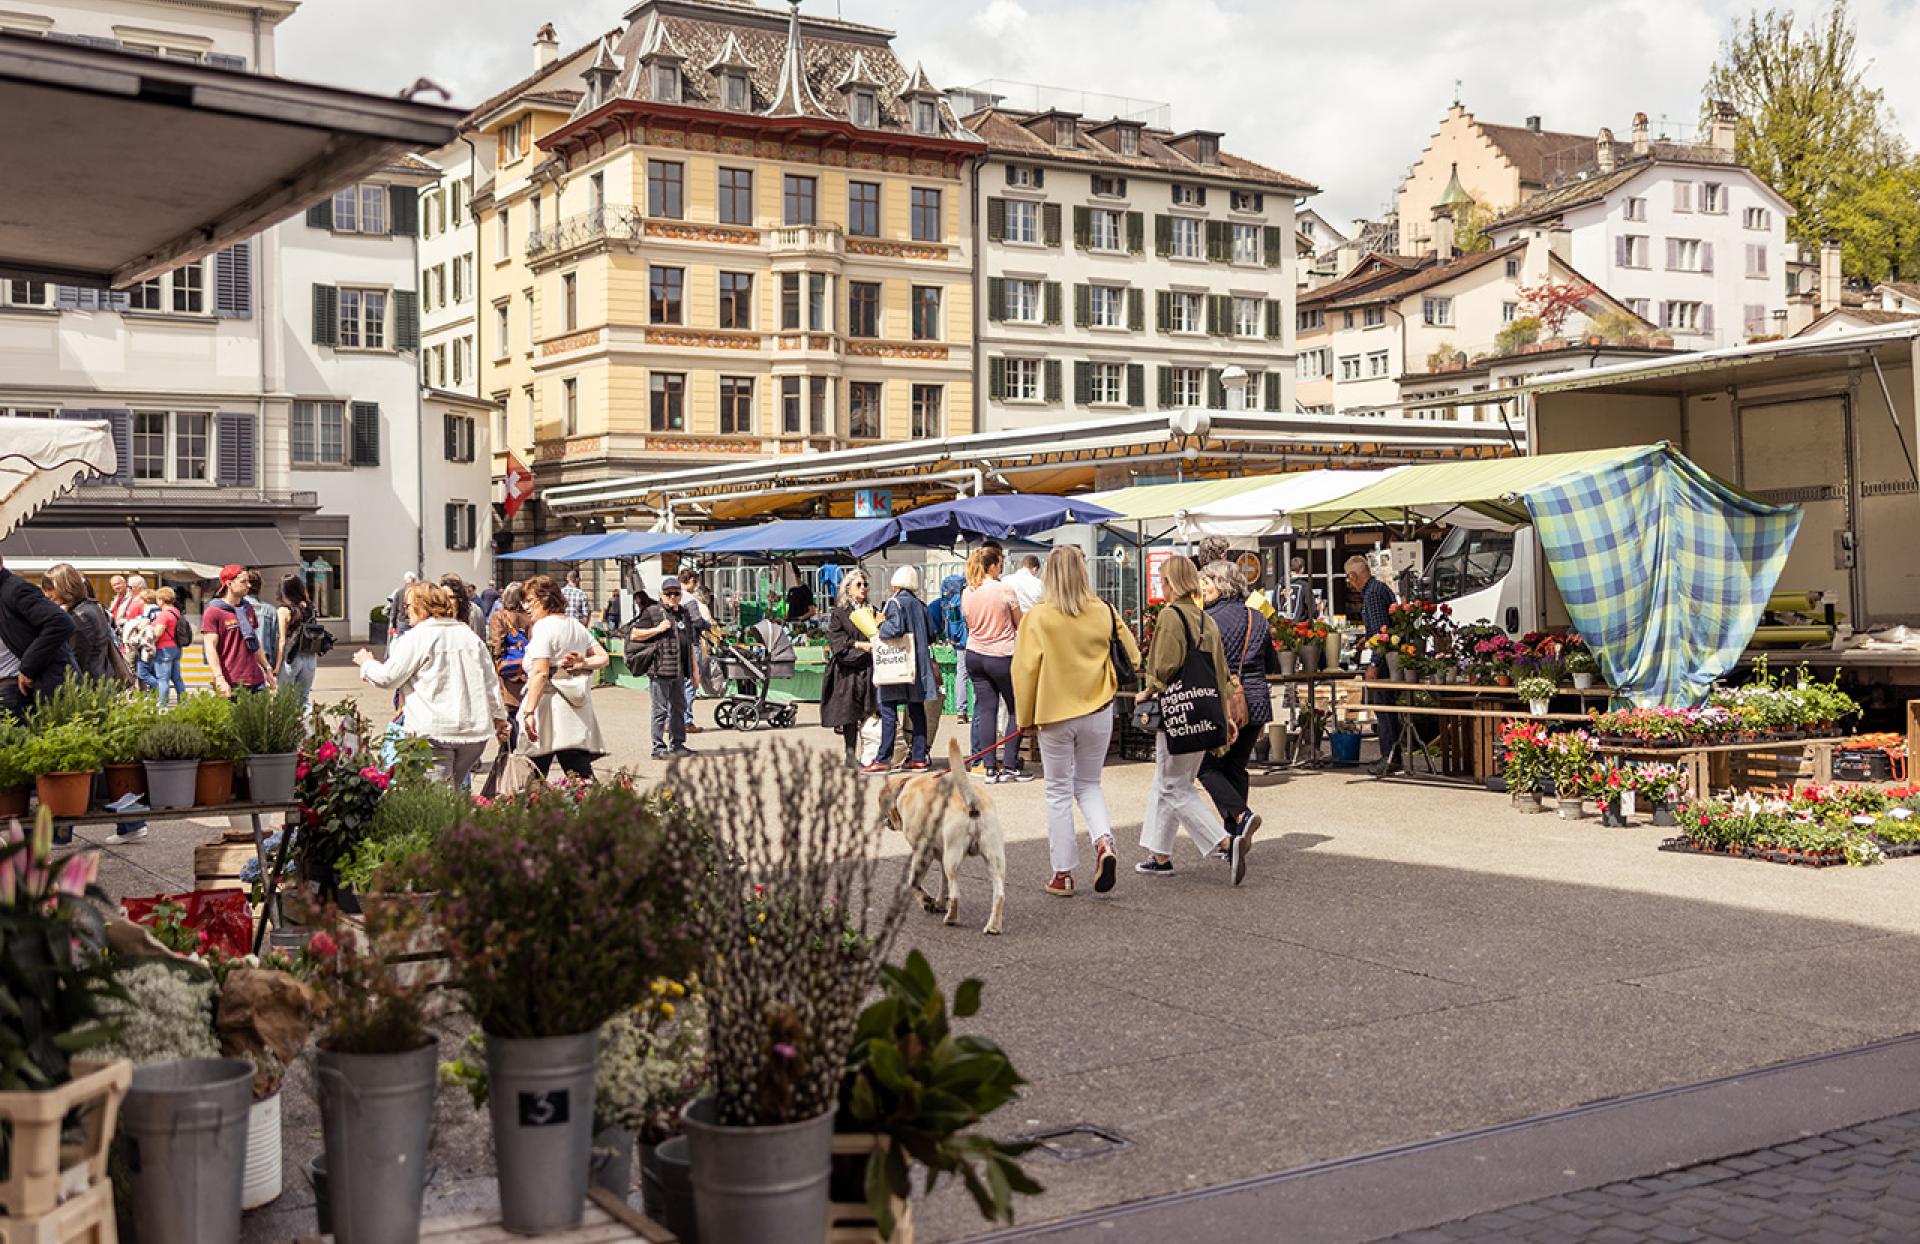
724,231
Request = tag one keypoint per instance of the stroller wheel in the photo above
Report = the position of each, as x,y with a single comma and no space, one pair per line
723,714
789,714
746,717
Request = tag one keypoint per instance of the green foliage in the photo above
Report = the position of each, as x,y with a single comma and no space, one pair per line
212,715
127,723
1617,327
13,754
269,723
1582,662
172,740
1812,128
72,747
1470,223
79,698
408,822
911,1079
1522,332
1536,688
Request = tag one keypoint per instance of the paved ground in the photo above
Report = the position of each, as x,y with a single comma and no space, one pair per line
1404,962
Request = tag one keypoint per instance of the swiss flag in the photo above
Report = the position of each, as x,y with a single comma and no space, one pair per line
519,486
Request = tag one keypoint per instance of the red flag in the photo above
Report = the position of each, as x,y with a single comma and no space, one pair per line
519,485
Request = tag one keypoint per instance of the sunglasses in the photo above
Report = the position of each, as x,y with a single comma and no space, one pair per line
671,592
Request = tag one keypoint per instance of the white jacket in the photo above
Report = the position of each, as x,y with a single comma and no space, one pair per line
446,673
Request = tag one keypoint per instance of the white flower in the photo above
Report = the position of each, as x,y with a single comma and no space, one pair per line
1900,814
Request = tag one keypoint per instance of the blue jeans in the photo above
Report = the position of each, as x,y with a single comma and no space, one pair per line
669,712
166,671
299,672
143,673
992,683
890,728
691,686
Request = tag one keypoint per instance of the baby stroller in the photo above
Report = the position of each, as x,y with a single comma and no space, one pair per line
752,672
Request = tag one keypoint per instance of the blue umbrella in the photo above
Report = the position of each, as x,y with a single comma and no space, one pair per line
1002,516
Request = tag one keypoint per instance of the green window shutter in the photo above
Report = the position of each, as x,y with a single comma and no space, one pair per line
1166,386
1009,174
366,433
326,315
1082,382
1136,385
1051,298
996,378
1136,233
1050,373
452,532
1272,244
1163,235
473,526
1219,241
406,320
996,298
1273,319
1082,228
1213,316
1272,380
1199,196
404,215
1137,310
320,215
1082,306
1050,222
1163,310
1216,391
996,220
1226,315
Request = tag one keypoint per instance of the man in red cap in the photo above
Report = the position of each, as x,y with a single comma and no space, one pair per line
231,633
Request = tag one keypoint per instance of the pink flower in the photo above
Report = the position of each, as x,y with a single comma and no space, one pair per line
327,752
323,945
78,873
785,1049
301,770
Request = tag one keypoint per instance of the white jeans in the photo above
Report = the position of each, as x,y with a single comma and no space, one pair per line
1072,754
1174,800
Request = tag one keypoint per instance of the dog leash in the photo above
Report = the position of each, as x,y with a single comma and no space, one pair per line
990,748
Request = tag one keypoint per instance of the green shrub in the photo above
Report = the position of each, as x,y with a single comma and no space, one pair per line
74,747
172,740
408,822
13,754
1522,332
79,698
212,716
269,723
127,723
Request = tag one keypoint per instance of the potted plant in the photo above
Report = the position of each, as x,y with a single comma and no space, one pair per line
1538,693
918,1090
795,913
63,760
1525,748
1287,638
1570,756
212,715
16,782
340,782
1661,785
653,1061
1581,667
556,911
267,727
170,751
129,719
407,821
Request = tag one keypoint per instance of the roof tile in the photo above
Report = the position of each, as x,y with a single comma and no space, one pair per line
1005,134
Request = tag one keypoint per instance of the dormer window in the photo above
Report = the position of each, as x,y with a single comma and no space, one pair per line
734,93
926,117
864,109
1208,150
666,83
1129,141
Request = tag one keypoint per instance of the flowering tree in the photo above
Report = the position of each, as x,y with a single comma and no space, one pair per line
1554,302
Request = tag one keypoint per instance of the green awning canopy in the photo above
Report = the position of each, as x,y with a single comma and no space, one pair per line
1146,502
1485,494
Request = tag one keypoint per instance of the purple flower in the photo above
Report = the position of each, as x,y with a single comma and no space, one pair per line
785,1049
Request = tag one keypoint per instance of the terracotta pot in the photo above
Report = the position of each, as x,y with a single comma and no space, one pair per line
130,779
1503,680
213,783
13,801
65,794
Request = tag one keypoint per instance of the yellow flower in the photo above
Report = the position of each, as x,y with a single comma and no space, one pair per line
666,1009
659,987
677,989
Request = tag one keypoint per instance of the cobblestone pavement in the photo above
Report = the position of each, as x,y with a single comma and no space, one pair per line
1851,1186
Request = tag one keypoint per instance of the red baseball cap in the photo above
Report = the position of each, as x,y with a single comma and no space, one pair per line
231,572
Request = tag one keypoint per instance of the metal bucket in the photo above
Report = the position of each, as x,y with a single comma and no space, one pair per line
270,777
376,1112
666,1188
185,1124
261,1184
540,1094
613,1161
765,1184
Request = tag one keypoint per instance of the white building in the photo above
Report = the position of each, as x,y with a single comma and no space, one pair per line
1691,240
449,242
1125,267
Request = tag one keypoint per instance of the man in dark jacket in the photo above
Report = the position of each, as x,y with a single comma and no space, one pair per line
1300,605
673,630
35,643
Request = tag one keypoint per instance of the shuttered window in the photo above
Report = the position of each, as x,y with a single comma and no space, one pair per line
366,434
234,443
233,282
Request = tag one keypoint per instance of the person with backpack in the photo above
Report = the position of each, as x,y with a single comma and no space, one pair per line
507,634
950,626
171,634
230,631
303,638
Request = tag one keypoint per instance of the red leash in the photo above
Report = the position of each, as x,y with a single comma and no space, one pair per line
990,748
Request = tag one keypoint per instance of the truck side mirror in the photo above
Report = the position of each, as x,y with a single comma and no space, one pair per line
1513,619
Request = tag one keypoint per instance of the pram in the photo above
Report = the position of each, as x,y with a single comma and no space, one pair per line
752,672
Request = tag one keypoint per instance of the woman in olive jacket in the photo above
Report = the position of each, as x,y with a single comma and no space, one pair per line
846,692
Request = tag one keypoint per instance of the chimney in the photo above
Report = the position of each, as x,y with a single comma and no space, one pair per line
1831,283
1534,268
1234,381
1639,133
546,47
1721,129
1533,123
1443,233
1560,243
1603,151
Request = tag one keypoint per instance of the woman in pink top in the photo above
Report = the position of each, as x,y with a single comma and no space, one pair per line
992,612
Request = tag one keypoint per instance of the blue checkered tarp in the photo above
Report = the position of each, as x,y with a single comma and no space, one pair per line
1665,570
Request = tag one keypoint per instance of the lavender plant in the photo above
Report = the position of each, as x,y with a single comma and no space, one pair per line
796,912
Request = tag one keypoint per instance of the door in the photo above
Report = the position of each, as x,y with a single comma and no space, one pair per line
1799,453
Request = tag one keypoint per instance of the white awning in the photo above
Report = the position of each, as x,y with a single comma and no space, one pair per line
42,458
1264,511
151,567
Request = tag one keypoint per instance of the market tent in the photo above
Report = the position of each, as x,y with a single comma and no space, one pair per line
554,550
1484,494
628,544
42,458
1145,502
1003,516
795,535
1264,510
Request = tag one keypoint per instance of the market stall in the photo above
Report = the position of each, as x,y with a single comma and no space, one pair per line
42,458
1004,516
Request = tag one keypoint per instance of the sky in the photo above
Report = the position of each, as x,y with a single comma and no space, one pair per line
1343,95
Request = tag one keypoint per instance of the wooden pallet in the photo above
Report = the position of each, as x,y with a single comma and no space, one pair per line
86,1219
608,1220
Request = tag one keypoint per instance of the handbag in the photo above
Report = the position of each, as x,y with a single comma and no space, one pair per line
1123,672
511,773
893,661
1193,711
1237,694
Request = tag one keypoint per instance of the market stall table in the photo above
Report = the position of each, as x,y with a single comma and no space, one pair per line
1462,754
1483,742
1709,766
1307,755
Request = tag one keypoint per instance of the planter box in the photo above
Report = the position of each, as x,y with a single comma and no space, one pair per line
40,1164
851,1222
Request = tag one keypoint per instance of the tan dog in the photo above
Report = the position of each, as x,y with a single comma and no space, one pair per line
946,813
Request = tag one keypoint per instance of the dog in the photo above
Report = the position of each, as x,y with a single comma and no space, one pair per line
946,813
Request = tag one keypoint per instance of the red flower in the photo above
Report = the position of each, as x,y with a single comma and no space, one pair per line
323,945
327,752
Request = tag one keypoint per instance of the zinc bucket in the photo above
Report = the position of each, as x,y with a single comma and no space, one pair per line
185,1124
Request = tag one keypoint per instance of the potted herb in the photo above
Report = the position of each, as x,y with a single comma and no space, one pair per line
16,782
556,910
340,783
1538,693
127,722
1581,667
63,760
212,715
170,751
795,912
267,727
406,823
919,1089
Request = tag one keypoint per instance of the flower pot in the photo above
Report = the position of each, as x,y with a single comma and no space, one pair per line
186,1129
1538,707
1332,654
170,783
65,794
666,1188
1395,666
1309,658
322,1199
270,777
541,1100
213,783
14,800
1611,814
1663,815
611,1165
1583,682
1571,809
127,779
1289,661
261,1183
767,1184
1503,680
1528,802
376,1112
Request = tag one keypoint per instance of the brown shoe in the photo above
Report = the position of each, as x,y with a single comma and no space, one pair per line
1061,886
693,729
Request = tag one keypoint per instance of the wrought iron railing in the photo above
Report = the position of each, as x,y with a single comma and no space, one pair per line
619,223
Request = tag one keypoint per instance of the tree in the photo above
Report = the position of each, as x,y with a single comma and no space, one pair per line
1470,223
1812,128
1554,302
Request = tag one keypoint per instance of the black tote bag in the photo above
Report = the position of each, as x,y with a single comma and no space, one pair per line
1193,713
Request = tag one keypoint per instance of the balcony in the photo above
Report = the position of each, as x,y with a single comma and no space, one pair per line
620,224
807,240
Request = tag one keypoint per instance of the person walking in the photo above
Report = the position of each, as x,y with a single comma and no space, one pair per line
488,600
1025,582
700,609
230,633
265,619
1376,609
92,641
1064,683
846,690
167,623
397,623
1173,801
579,604
508,631
117,598
36,652
993,619
1299,605
1248,644
673,631
906,618
137,635
134,601
299,657
445,676
557,720
950,625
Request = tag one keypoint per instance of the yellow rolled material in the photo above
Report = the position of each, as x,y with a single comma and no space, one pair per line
1792,635
864,618
1257,599
1792,602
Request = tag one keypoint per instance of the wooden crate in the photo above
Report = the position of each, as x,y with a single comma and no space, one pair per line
216,865
851,1222
86,1219
609,1220
38,1162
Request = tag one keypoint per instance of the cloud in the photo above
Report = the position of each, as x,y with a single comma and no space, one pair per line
1000,18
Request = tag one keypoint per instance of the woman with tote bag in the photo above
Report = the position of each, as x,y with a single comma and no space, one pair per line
846,692
903,672
556,709
1188,683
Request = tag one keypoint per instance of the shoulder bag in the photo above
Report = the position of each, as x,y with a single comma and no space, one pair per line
1236,694
893,659
1193,711
1123,671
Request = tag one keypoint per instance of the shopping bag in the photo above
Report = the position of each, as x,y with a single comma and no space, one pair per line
511,774
893,661
1193,713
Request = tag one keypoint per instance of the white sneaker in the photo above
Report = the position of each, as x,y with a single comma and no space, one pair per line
122,836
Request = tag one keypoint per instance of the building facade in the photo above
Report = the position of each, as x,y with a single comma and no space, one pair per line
1127,267
449,275
722,232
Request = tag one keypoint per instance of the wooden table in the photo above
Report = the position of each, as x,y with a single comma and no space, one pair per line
1466,756
1475,734
1707,763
